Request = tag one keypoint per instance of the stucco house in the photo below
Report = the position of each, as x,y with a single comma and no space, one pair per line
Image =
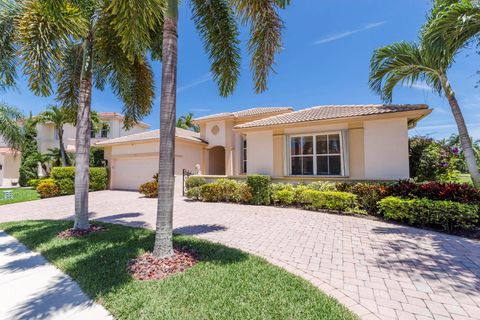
47,138
351,142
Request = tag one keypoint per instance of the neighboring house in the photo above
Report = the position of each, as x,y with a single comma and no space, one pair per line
47,138
356,142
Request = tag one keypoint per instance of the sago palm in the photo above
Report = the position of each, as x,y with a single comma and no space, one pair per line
217,23
405,63
76,43
10,131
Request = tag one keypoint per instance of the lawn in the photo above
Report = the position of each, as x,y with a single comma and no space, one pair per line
225,284
19,195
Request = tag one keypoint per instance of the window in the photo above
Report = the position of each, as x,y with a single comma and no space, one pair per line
244,155
319,155
104,132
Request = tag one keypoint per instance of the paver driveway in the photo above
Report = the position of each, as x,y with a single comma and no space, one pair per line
378,270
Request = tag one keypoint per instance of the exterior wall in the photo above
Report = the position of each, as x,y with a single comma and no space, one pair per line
356,150
386,149
10,168
218,139
260,152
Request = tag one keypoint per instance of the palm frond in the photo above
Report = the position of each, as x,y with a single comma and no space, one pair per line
216,24
403,63
8,59
9,129
265,35
68,76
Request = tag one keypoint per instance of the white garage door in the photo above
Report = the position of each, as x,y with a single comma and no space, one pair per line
130,173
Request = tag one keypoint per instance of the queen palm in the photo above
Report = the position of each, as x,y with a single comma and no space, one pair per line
217,24
186,122
406,63
10,131
76,43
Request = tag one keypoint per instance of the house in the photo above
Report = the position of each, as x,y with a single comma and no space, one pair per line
47,138
350,142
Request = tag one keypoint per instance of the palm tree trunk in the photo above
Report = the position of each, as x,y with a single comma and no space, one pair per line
62,147
166,172
82,141
465,139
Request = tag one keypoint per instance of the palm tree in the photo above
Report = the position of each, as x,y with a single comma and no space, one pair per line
217,23
59,116
77,43
10,131
186,122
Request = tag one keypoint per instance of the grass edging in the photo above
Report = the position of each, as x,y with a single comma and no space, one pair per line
226,284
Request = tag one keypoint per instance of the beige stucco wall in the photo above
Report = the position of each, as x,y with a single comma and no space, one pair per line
386,149
260,152
218,139
356,150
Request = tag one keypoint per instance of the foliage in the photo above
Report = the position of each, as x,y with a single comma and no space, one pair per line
222,190
269,292
35,182
446,214
260,187
48,189
194,193
284,197
29,161
65,178
368,195
19,195
330,200
149,189
321,186
186,122
9,129
97,156
194,181
98,179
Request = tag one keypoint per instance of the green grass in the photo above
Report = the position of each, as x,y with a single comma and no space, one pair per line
225,284
19,195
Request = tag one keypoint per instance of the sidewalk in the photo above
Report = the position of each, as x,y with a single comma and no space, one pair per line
31,288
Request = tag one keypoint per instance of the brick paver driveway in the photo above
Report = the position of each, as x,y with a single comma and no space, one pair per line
378,270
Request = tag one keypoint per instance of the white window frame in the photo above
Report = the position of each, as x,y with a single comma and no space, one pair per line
343,155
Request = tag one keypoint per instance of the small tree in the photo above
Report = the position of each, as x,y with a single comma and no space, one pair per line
186,122
29,161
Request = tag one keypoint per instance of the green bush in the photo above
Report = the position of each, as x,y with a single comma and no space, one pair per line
330,200
423,212
260,188
65,178
33,183
210,192
222,190
194,193
283,197
321,186
193,182
48,188
149,189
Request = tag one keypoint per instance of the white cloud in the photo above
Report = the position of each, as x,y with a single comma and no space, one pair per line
338,36
204,78
420,86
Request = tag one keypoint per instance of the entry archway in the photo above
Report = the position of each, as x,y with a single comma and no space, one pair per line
216,161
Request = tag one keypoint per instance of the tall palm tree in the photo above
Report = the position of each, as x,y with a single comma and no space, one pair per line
186,122
217,23
406,63
77,44
10,131
59,117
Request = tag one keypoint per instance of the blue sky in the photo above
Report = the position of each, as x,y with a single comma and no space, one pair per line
327,48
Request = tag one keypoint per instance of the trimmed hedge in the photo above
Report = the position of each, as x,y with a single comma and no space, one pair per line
222,190
194,181
423,212
260,188
330,200
65,179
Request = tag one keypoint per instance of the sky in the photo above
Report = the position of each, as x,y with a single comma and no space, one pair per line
327,49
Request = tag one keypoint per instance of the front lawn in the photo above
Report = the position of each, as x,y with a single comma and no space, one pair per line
225,284
19,195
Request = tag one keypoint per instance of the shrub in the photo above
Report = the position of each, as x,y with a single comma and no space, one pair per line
283,197
446,214
98,179
298,197
149,189
369,194
260,188
194,193
321,186
48,189
33,183
210,192
331,200
227,189
243,193
193,182
65,178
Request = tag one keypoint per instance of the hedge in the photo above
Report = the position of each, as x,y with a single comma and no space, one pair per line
330,200
65,179
222,190
423,212
260,187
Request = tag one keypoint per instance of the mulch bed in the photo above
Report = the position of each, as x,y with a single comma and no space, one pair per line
148,267
74,233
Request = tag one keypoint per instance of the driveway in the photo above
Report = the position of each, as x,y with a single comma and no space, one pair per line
379,270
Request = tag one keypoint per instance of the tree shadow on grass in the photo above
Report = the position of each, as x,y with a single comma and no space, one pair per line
199,229
442,260
98,262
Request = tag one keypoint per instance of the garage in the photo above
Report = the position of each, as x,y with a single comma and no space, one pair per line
130,173
133,159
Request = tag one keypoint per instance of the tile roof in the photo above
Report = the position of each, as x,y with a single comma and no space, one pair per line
7,150
247,113
120,116
330,112
151,135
